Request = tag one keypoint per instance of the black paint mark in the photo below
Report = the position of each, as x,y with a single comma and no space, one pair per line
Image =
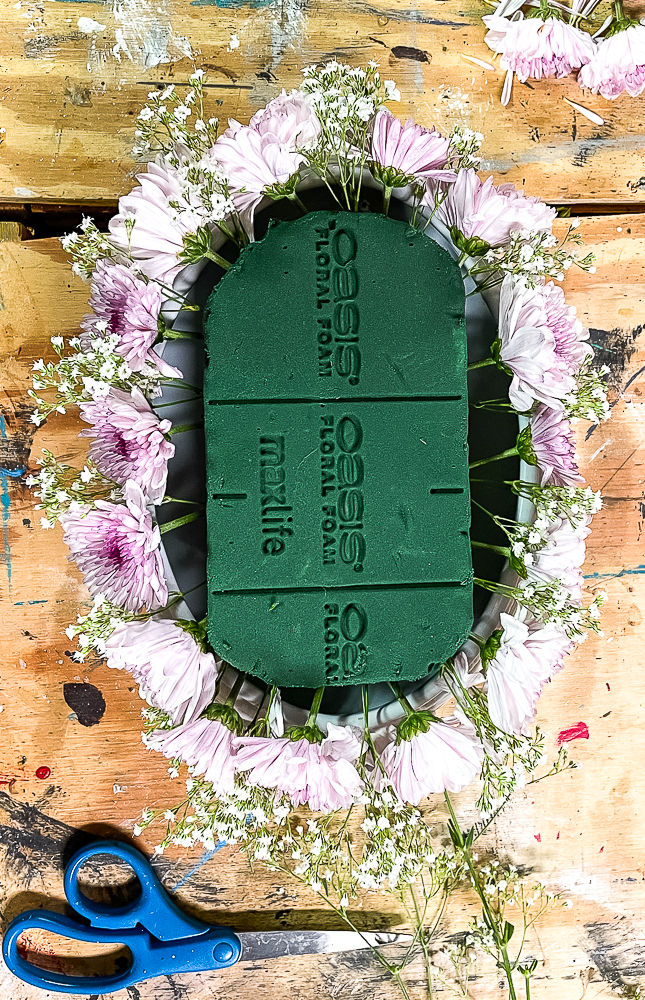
408,52
16,446
267,75
618,951
33,840
133,993
614,348
86,701
574,128
179,991
377,40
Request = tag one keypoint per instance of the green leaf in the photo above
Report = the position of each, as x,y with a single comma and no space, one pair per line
525,447
507,933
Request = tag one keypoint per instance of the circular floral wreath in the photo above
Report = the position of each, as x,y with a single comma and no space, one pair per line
201,190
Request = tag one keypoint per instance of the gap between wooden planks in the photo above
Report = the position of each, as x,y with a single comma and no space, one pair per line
582,833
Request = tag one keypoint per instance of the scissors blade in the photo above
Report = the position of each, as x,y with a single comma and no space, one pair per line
257,945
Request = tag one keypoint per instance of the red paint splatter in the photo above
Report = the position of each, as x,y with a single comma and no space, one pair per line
601,850
557,836
43,772
608,688
538,837
578,732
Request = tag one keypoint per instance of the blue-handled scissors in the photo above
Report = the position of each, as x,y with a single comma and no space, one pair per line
162,940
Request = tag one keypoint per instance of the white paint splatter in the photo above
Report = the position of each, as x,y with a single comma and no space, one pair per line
286,26
140,31
88,25
234,43
598,450
25,193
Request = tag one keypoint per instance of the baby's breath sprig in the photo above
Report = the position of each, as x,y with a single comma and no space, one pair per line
62,488
525,540
507,759
550,602
345,100
464,146
93,629
576,503
88,247
529,257
87,372
161,125
589,399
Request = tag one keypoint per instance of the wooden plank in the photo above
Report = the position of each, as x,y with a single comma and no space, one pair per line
582,833
70,94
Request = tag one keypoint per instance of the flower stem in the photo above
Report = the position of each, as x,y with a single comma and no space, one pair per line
296,200
176,382
167,499
217,258
235,690
502,550
403,701
387,194
178,522
480,364
509,453
180,428
315,707
488,915
170,334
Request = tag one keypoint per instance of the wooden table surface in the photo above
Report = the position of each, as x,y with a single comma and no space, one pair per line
69,98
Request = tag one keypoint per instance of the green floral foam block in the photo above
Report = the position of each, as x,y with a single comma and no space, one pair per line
336,414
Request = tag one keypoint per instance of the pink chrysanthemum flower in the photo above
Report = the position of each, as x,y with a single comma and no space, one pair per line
130,307
479,209
439,757
402,153
116,547
534,48
562,557
618,66
172,670
554,447
153,220
321,775
571,349
528,655
254,164
206,745
128,440
288,120
527,347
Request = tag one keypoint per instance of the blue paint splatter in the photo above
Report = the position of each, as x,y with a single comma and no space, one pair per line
200,864
5,502
613,576
18,604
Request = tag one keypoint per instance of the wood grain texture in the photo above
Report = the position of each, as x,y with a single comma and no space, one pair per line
582,833
69,95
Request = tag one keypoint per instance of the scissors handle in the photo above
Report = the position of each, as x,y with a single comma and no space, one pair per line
218,948
154,908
